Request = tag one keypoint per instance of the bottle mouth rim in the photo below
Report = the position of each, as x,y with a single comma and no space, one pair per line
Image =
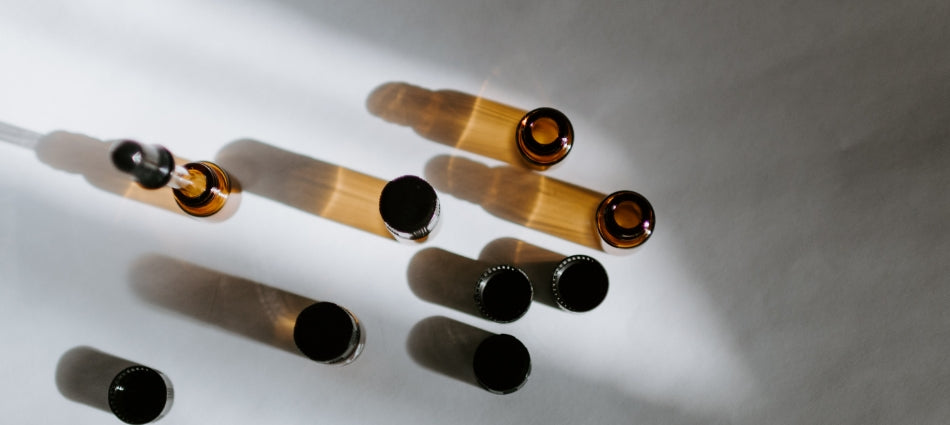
539,153
613,231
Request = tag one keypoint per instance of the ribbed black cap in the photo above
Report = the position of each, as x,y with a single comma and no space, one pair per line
502,364
579,283
326,332
139,395
503,293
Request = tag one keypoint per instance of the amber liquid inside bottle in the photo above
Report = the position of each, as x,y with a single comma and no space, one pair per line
536,140
542,203
313,186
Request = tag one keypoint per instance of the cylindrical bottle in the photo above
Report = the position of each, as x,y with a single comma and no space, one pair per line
134,393
502,364
500,293
613,223
503,293
336,193
319,330
579,283
200,188
576,283
537,139
498,363
410,208
328,333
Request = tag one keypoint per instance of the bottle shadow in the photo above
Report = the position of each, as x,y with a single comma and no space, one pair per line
84,374
445,278
89,157
446,346
522,197
538,263
336,193
459,120
247,308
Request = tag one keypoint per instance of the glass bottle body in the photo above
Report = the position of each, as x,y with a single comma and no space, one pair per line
612,223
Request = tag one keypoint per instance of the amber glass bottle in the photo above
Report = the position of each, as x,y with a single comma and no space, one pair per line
612,223
201,188
134,393
537,139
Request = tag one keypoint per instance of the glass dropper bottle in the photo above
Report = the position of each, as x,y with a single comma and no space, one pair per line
613,223
200,188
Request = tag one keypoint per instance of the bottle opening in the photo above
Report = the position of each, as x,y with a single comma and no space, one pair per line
193,183
544,137
203,190
628,215
544,130
139,395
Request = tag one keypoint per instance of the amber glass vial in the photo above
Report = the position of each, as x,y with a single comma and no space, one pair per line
613,223
537,139
201,189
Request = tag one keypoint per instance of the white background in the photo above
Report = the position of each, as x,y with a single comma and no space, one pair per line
796,154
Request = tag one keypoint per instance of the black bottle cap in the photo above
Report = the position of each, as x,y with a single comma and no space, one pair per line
151,165
579,283
327,333
409,206
139,395
503,293
502,364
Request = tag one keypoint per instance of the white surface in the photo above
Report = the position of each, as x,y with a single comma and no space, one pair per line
796,154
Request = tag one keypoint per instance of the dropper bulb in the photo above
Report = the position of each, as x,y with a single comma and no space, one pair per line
151,165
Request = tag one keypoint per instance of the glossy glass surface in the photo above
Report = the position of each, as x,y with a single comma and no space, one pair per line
625,220
502,364
209,191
